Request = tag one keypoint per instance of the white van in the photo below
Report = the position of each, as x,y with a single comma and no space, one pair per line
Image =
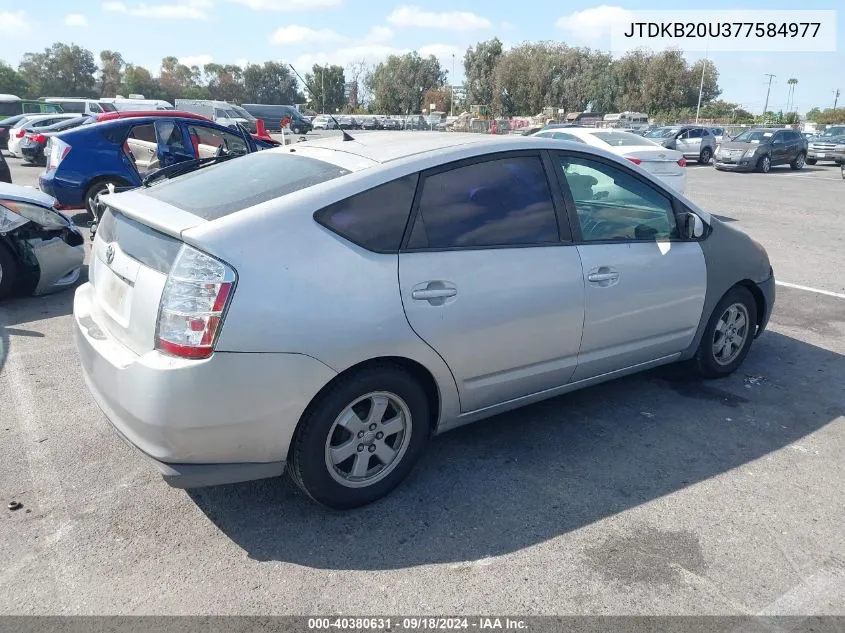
123,104
91,107
218,111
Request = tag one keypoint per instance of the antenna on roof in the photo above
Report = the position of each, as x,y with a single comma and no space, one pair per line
346,135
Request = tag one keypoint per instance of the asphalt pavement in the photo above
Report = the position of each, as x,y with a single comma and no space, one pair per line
653,494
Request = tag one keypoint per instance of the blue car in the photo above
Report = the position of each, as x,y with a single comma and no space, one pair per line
82,163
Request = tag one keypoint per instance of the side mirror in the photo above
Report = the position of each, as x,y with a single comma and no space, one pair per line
693,226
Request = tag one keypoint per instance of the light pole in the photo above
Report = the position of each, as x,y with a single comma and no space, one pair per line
766,107
700,89
452,89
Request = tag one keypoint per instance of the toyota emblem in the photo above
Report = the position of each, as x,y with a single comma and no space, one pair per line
109,253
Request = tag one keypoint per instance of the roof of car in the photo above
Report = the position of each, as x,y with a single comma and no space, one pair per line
384,147
131,114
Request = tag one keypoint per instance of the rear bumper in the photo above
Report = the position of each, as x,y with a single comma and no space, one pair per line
767,287
33,154
227,418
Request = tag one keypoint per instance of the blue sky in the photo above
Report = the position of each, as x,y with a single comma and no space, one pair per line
305,32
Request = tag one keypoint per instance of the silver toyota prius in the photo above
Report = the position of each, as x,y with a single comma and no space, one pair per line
327,307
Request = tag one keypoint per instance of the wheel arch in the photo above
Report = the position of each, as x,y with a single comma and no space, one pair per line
759,299
417,370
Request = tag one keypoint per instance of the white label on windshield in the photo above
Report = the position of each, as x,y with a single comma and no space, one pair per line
767,134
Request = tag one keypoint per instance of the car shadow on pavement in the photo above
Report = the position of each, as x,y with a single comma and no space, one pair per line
528,476
26,309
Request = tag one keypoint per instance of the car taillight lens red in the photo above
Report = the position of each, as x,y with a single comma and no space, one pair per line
636,161
682,162
196,295
20,133
38,138
57,150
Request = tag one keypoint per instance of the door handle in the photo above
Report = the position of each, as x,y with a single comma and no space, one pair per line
434,293
595,277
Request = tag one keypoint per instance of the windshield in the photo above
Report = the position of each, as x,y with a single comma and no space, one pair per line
243,114
834,131
222,189
621,139
663,132
107,107
754,136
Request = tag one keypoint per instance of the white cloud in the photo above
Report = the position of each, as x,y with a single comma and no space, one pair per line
593,24
13,23
180,10
371,54
288,6
242,62
196,60
452,21
296,34
377,34
76,19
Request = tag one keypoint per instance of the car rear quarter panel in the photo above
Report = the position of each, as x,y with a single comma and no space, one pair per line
731,257
303,289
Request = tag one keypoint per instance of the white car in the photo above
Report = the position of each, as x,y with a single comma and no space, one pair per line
30,123
668,165
323,122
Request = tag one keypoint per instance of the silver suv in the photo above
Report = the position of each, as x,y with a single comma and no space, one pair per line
695,142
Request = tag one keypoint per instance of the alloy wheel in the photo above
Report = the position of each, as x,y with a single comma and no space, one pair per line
368,439
730,334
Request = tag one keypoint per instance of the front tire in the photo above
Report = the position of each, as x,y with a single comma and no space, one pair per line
811,161
728,335
799,161
361,438
706,155
764,165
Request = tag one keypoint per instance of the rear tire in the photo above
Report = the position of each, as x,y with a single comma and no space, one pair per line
318,462
728,335
97,188
799,161
8,272
706,155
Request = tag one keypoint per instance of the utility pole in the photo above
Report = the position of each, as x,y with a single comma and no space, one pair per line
323,87
452,89
766,107
836,99
701,88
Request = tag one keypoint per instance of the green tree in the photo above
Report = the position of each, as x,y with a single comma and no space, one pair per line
138,80
327,83
225,83
813,114
480,64
11,81
64,70
829,116
270,83
111,72
709,90
179,81
399,83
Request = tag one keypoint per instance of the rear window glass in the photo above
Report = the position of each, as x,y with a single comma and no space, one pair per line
219,190
619,139
374,219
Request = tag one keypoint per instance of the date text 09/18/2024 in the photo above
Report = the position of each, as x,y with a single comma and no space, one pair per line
416,624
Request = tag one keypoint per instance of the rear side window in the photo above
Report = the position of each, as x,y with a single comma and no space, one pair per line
10,108
374,219
502,202
220,190
77,107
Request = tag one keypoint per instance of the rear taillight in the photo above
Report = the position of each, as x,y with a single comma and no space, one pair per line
20,133
198,290
682,162
58,151
636,161
38,138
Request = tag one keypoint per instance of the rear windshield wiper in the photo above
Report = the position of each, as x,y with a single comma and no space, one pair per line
184,167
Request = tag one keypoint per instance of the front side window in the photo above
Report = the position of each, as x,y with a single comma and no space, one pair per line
501,202
697,133
209,142
32,107
94,107
105,106
613,204
374,219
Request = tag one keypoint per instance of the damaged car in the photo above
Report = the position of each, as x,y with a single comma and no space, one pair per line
41,250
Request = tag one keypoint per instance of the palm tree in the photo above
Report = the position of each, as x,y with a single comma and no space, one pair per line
790,100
